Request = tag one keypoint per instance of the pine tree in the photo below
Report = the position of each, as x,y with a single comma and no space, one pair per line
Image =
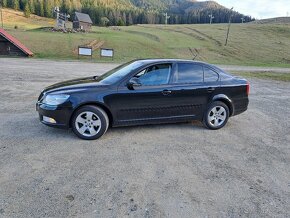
4,3
104,21
15,4
129,20
67,6
124,18
47,7
27,10
31,6
120,22
119,12
40,8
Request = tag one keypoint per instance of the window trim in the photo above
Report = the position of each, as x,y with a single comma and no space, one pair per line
193,83
218,75
186,83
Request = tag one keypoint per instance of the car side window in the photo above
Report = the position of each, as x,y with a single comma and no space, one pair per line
188,73
210,75
155,75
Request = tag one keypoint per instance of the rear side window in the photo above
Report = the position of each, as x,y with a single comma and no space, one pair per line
210,75
188,73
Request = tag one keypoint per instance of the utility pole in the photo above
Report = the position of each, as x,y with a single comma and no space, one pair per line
166,18
229,25
243,20
211,17
1,15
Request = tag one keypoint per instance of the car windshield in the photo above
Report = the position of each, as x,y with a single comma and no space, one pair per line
118,73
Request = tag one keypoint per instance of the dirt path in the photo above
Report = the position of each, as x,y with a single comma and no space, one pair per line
175,170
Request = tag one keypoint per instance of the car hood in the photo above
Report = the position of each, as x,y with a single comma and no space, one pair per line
80,83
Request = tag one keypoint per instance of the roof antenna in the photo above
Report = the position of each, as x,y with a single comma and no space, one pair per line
193,54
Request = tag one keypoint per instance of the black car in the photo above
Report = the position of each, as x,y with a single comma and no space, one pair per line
150,91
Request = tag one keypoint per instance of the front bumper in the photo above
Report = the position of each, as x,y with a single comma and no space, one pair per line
60,114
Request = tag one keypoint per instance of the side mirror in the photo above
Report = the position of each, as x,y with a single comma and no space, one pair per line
133,82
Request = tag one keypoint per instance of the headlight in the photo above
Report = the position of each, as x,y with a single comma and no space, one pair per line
52,99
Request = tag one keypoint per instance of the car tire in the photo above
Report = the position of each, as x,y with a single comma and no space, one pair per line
216,116
90,122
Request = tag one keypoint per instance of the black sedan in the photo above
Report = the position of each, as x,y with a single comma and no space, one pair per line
151,91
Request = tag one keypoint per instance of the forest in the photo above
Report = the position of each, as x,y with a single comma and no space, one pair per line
129,12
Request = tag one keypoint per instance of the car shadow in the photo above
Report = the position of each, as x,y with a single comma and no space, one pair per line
29,126
55,133
181,125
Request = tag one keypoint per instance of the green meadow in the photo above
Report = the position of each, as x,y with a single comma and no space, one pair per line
249,44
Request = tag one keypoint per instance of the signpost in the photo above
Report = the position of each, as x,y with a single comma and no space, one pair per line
61,18
85,51
107,52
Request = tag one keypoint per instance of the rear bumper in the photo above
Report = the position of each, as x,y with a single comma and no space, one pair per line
240,106
237,112
60,114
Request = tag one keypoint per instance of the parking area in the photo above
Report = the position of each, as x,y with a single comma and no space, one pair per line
173,170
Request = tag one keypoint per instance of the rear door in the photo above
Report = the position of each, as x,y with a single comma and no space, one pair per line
190,92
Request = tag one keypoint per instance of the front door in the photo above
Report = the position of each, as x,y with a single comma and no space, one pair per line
149,102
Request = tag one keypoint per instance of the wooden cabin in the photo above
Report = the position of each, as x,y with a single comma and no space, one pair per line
82,21
10,46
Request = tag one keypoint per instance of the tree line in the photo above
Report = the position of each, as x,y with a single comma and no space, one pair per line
120,12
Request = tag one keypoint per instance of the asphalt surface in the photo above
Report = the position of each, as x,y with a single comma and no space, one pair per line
175,170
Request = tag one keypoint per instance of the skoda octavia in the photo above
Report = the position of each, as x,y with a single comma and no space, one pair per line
150,91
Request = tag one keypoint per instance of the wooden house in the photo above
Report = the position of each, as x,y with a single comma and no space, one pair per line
82,21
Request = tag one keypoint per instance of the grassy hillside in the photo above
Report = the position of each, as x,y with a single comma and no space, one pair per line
119,12
275,20
249,44
12,18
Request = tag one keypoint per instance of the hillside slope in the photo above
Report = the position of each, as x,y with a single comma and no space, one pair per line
128,12
13,18
249,44
275,20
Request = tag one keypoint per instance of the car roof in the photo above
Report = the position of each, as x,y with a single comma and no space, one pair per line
162,60
157,60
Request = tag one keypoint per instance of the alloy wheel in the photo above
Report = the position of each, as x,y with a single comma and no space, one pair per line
88,124
217,116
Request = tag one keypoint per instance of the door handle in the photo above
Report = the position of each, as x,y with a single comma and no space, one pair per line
166,92
210,89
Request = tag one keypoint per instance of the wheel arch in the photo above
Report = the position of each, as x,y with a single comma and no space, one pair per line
105,108
226,100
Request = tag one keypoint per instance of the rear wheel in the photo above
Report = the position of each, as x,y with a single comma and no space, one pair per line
90,122
216,116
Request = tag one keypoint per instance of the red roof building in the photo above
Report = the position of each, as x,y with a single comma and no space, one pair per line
12,46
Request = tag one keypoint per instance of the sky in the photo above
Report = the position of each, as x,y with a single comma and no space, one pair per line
259,9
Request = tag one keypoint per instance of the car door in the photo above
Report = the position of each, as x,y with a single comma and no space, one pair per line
148,102
189,91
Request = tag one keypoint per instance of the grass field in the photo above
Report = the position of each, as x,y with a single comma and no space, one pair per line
249,44
265,75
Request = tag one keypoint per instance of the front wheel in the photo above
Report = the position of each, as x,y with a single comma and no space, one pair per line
216,116
90,122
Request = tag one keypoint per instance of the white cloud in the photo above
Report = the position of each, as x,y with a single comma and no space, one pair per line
259,8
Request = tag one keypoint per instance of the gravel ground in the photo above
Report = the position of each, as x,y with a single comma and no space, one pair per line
176,170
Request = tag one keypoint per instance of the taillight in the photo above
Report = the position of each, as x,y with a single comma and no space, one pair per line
248,88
